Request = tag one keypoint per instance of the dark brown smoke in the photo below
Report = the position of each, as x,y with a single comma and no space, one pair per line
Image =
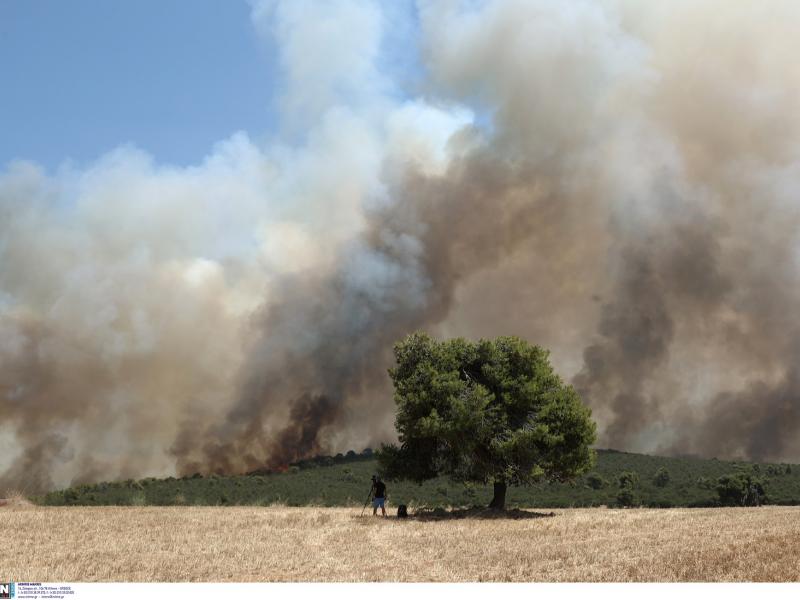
300,439
334,332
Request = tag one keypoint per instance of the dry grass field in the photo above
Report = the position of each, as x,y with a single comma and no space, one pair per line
324,544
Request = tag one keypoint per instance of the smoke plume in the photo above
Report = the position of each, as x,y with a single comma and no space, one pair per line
613,180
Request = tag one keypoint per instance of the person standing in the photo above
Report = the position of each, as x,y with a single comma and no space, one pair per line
378,496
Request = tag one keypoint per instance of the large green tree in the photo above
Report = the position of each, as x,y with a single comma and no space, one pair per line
492,411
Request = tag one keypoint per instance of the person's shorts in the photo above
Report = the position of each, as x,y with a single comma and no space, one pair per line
378,502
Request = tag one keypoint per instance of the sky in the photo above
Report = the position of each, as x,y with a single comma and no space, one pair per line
78,79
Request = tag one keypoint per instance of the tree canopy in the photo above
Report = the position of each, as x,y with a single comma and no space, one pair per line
741,489
492,411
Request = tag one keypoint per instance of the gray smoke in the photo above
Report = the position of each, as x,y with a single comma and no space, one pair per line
615,181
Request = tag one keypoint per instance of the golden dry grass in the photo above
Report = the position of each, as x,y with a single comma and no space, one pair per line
324,544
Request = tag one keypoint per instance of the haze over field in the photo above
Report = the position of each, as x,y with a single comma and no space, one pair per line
615,181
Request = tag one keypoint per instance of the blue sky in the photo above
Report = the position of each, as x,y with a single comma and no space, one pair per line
80,78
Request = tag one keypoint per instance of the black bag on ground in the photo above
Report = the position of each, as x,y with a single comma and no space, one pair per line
402,512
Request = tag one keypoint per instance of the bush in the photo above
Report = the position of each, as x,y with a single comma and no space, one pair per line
627,497
704,483
628,479
661,478
740,489
595,481
660,504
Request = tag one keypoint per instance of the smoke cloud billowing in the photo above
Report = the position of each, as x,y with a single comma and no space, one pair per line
616,181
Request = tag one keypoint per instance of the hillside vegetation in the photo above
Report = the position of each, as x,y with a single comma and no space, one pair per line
618,479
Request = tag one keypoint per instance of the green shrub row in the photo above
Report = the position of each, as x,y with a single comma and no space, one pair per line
618,479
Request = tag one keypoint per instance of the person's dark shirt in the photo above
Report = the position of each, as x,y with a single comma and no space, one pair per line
380,489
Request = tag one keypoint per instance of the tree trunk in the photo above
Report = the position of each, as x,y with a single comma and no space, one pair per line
499,500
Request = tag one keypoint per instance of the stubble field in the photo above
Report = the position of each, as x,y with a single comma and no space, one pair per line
335,544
